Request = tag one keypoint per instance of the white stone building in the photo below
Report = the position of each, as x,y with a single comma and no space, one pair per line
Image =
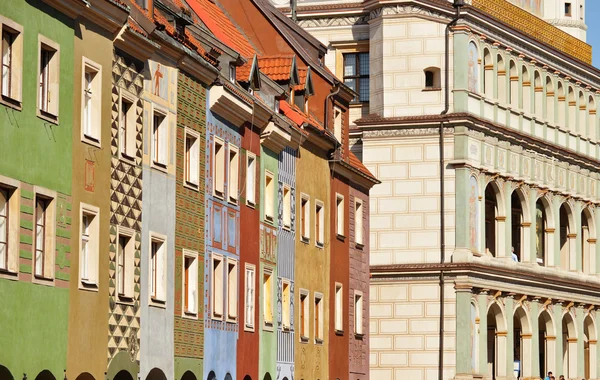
521,174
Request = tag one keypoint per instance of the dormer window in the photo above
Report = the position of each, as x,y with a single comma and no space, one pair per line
250,91
276,106
232,73
306,105
568,9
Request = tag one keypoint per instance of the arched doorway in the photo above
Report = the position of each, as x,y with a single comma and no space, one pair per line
5,373
569,346
496,342
123,375
547,340
228,376
188,375
588,242
156,374
494,221
45,375
568,260
267,376
82,376
590,348
211,376
522,341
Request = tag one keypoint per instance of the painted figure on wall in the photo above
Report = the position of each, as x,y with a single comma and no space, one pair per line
473,215
159,83
473,70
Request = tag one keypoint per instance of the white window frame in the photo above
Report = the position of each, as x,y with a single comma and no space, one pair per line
358,313
89,258
128,124
339,308
191,160
159,157
128,281
217,286
287,207
340,214
232,290
267,289
319,224
158,267
250,179
49,96
233,169
303,315
10,267
269,196
192,291
359,210
91,113
319,324
49,239
249,297
304,218
337,123
286,302
12,92
218,166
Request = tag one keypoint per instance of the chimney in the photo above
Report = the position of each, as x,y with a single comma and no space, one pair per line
293,7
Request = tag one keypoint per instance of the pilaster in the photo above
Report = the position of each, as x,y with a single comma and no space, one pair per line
509,302
463,329
483,333
558,311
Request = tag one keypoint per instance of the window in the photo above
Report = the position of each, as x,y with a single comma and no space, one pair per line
287,207
217,286
48,79
305,217
339,307
232,290
158,273
250,179
159,138
568,9
268,297
127,125
276,106
90,101
192,158
319,318
125,264
9,225
44,235
432,78
319,223
190,282
90,246
232,73
249,297
339,204
358,313
358,221
337,123
269,196
285,305
356,75
12,59
234,168
304,315
218,168
581,12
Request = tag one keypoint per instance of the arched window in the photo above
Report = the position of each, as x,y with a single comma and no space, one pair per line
526,89
538,94
582,122
494,221
572,103
501,80
433,80
567,238
549,100
591,123
541,226
518,233
588,242
488,74
562,105
513,95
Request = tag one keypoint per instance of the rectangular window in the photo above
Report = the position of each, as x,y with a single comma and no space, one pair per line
269,196
192,158
158,273
234,168
90,246
159,139
12,60
339,308
340,211
125,264
91,101
249,297
4,227
9,227
319,224
337,123
44,245
304,323
287,207
305,218
568,9
356,75
268,297
218,167
127,125
48,79
190,282
250,179
358,313
358,221
232,73
319,318
286,305
217,287
232,290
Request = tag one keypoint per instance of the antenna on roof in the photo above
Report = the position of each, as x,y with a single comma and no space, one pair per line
293,7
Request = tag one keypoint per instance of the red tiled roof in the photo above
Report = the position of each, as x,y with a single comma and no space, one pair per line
135,27
355,162
276,67
242,73
222,27
302,72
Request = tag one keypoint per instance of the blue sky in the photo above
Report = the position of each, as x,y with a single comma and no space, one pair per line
593,33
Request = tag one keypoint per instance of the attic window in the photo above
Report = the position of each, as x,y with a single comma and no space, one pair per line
276,106
231,73
568,9
432,78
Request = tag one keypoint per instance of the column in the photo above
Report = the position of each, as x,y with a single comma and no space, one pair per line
462,247
460,43
554,235
578,238
531,246
579,360
464,343
558,343
596,251
535,338
509,302
482,299
596,368
507,192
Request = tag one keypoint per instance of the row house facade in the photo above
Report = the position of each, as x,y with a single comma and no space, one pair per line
190,178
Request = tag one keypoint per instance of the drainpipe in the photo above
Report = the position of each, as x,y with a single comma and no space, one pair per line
331,95
457,4
293,5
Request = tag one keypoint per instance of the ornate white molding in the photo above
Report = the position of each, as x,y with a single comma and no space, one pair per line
405,132
334,21
567,23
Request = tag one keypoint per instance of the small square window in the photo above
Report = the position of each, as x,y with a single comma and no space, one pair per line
91,98
287,207
192,158
269,196
159,139
90,247
234,169
190,283
158,271
250,179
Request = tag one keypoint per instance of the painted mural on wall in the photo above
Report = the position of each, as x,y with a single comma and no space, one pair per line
159,75
533,6
473,214
473,71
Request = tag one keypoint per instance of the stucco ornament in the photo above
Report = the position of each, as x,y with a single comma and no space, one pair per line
132,344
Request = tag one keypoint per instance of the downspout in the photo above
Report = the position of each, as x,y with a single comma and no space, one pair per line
331,95
457,4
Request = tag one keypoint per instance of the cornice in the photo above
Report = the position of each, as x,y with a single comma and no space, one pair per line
135,44
567,23
70,8
105,14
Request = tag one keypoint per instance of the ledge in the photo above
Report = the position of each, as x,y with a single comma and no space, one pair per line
229,106
275,138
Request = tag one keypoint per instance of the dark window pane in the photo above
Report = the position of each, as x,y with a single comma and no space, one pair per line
350,83
349,64
364,89
364,63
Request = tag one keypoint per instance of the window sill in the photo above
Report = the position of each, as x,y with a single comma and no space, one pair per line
431,89
159,166
319,341
233,201
231,320
127,158
88,286
340,237
287,227
285,329
91,141
189,315
191,186
154,302
251,204
319,245
360,246
11,103
47,117
216,317
304,339
125,300
218,195
41,280
359,336
267,326
339,332
305,240
8,274
269,219
249,328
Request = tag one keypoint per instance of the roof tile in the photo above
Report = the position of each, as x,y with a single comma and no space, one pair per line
355,162
276,67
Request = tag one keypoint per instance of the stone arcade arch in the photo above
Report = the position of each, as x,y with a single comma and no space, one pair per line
538,94
496,341
547,341
550,100
495,218
590,348
588,241
188,375
522,341
526,89
520,225
569,347
568,235
5,373
488,74
501,67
